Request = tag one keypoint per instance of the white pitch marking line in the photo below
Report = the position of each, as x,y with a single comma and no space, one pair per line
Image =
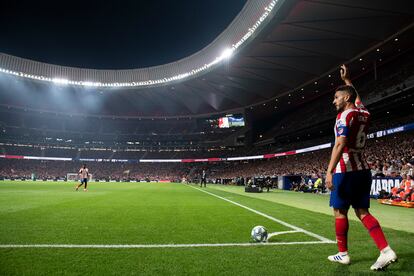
155,245
282,233
269,217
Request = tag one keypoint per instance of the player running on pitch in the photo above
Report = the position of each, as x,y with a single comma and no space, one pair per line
348,175
84,176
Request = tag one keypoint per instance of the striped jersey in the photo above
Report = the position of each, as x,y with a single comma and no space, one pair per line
84,173
352,124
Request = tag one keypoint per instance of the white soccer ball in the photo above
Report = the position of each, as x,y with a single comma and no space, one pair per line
259,234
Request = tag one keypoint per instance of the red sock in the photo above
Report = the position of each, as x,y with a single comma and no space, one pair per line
375,231
341,229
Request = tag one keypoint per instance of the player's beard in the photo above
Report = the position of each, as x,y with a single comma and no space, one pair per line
340,107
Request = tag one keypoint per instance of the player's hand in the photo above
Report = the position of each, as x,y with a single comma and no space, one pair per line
328,181
344,73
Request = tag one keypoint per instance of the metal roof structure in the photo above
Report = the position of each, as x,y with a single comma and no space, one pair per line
296,43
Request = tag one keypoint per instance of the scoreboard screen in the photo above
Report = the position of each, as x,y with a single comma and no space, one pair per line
227,121
230,121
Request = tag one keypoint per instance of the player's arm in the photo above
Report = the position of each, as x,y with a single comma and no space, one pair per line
347,79
342,131
336,154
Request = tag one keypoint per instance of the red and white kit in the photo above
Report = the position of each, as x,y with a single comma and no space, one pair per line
352,124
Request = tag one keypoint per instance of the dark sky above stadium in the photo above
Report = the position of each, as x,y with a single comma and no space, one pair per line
112,34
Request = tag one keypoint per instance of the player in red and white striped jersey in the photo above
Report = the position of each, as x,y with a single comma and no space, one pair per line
352,124
348,175
84,176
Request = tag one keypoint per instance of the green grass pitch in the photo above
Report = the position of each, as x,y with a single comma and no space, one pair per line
148,217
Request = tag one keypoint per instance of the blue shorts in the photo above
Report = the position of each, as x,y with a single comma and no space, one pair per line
351,189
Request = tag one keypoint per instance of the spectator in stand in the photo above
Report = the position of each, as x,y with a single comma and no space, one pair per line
407,188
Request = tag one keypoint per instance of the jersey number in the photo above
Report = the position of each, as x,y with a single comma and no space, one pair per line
361,137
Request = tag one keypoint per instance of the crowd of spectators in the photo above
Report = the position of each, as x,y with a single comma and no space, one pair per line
122,153
21,168
390,156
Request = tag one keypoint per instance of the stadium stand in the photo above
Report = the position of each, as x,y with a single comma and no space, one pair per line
384,157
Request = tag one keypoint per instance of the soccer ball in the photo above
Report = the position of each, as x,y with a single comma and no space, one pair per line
259,234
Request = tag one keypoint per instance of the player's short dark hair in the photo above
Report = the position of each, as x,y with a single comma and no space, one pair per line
350,90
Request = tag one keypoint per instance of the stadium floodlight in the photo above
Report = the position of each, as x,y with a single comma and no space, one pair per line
90,83
60,81
227,53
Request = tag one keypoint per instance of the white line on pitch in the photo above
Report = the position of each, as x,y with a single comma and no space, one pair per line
155,245
269,217
282,233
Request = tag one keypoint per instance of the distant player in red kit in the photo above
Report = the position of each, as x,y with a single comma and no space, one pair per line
348,175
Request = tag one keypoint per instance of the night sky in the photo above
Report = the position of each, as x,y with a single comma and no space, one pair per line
112,34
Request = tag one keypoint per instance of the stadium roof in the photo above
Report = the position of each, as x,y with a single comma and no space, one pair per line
272,48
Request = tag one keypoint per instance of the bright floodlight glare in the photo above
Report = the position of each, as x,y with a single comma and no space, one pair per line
60,81
227,53
87,83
